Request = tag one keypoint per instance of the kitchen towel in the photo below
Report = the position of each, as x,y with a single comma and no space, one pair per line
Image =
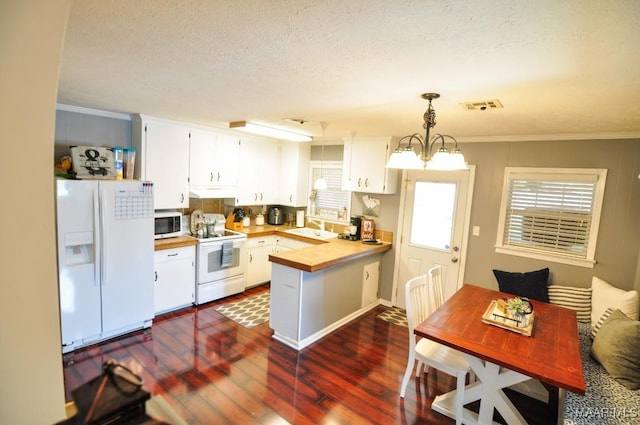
227,254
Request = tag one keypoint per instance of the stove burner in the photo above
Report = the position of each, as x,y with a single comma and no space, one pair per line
223,234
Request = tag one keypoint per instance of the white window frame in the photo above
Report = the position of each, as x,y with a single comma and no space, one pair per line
597,175
327,165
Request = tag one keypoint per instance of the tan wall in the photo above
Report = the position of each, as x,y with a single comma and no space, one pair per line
31,39
619,236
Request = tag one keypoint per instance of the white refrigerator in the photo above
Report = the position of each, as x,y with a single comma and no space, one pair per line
105,234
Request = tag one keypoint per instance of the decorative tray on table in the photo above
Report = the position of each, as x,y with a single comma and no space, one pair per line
496,315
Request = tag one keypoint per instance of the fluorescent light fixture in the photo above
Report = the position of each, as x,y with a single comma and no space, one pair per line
270,131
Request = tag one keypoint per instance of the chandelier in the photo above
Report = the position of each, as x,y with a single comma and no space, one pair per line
442,159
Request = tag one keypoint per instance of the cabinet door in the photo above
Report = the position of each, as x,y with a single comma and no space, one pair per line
294,173
166,157
370,278
258,264
364,165
285,302
258,182
174,285
227,160
202,153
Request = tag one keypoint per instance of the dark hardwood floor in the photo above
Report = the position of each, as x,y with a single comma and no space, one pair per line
212,370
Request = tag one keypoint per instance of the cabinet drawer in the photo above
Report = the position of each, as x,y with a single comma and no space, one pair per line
174,254
263,241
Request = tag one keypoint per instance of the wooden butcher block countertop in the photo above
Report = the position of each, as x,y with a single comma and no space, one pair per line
323,254
177,242
327,254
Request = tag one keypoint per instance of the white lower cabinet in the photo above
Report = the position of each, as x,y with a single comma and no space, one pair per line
370,280
284,314
258,264
175,278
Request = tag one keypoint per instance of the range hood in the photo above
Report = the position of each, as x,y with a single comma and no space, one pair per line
212,192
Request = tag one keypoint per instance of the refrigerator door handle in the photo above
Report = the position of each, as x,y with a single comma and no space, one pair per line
103,238
97,236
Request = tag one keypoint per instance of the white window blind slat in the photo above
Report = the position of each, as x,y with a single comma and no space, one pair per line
551,212
334,198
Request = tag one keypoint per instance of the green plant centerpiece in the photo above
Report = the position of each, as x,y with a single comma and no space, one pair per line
518,309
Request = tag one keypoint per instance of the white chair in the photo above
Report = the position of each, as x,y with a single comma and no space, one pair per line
424,294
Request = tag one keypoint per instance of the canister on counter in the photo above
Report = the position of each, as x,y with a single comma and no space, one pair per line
300,218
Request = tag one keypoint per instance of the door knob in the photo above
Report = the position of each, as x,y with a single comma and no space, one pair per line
454,260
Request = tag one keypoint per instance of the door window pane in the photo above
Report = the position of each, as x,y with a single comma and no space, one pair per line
432,221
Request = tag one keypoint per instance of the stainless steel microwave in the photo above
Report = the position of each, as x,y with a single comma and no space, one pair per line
168,224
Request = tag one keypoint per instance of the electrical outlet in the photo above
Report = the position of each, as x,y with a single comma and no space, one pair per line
476,230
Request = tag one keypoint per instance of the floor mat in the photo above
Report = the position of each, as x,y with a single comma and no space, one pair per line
249,312
394,315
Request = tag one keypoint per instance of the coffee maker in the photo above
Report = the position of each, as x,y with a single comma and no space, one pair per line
354,230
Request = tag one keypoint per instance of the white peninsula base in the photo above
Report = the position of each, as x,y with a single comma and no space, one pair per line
306,306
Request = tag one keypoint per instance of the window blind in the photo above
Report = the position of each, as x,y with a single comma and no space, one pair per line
550,215
333,198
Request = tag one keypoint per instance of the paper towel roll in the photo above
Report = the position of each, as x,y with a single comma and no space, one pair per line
300,218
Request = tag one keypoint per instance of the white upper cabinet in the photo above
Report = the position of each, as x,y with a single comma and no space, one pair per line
202,153
227,160
162,157
214,158
259,164
364,163
294,173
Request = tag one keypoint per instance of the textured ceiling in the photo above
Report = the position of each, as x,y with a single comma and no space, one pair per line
560,68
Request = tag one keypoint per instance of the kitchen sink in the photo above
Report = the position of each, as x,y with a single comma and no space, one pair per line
307,232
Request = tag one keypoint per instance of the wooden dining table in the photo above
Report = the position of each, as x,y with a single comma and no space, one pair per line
502,358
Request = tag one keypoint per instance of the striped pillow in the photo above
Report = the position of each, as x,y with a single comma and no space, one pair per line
578,299
596,328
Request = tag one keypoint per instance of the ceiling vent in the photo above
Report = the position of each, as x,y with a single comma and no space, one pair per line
483,105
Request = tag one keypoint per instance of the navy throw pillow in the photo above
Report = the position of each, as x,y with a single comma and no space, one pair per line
532,285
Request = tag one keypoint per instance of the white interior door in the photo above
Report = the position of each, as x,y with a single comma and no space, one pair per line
435,209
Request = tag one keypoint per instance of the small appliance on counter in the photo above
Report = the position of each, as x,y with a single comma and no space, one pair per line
300,218
276,216
355,230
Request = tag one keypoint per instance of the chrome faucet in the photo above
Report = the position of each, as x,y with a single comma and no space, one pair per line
319,223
